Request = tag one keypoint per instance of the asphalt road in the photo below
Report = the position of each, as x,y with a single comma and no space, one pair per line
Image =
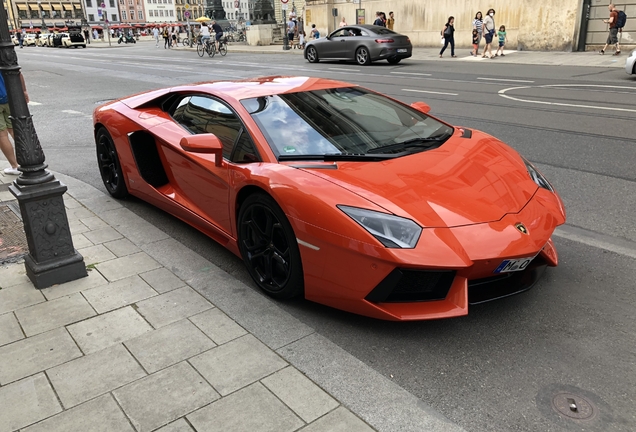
500,367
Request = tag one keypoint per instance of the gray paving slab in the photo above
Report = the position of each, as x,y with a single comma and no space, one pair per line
80,241
77,227
169,345
162,280
119,293
52,314
299,393
218,326
79,213
99,415
339,420
94,279
70,202
237,363
177,426
35,354
122,247
18,297
100,202
249,409
93,375
26,402
95,254
133,227
124,267
345,376
9,329
165,396
108,329
172,306
11,275
93,222
102,235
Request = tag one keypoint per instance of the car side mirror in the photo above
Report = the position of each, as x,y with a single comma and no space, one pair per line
421,106
204,143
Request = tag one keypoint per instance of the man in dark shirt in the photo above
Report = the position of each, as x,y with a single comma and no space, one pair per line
612,38
218,31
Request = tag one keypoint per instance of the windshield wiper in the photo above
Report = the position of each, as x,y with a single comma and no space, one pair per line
412,143
336,157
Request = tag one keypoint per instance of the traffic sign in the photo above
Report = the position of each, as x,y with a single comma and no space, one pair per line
103,5
283,6
284,1
186,14
187,6
236,4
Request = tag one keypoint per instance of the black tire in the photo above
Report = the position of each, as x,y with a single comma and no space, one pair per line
200,50
119,41
211,49
109,166
83,46
393,60
363,57
185,42
223,49
312,55
269,248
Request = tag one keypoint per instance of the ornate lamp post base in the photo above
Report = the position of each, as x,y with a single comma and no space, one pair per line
52,259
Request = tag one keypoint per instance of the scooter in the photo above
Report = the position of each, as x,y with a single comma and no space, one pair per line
126,39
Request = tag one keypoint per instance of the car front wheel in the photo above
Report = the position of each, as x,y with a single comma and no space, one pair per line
363,57
312,55
109,166
269,247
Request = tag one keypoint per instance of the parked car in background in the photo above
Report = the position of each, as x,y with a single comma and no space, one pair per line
630,63
29,40
74,38
361,43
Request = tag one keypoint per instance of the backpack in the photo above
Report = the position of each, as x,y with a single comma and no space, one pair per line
621,20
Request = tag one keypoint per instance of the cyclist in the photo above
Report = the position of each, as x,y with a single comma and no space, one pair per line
219,33
205,34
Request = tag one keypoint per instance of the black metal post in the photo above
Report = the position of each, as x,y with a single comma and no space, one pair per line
285,38
52,259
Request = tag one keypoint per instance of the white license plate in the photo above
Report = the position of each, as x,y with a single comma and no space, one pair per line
513,265
401,50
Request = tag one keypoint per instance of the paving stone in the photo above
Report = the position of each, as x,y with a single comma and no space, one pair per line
94,279
99,203
218,326
122,247
172,306
117,294
80,241
250,409
70,202
79,213
300,394
35,354
95,254
54,313
13,274
109,329
9,329
164,396
339,420
77,227
26,402
6,196
162,280
93,222
18,297
169,345
236,364
103,235
99,415
124,267
179,426
87,377
133,227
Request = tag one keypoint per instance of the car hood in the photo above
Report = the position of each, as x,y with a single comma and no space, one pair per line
463,182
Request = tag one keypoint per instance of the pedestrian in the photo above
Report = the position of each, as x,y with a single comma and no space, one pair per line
343,22
290,30
174,36
205,34
612,38
166,38
20,37
489,33
155,35
6,128
383,16
501,34
95,34
301,39
477,25
87,37
391,21
475,42
314,33
448,33
218,34
378,19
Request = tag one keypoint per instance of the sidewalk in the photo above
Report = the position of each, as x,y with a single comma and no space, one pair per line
158,338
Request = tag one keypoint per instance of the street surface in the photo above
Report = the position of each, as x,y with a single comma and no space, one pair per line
498,368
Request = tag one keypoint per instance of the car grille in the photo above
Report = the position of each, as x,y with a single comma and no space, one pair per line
404,285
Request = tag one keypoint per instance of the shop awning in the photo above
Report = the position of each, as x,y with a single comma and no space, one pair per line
46,6
78,6
68,7
34,7
57,6
22,7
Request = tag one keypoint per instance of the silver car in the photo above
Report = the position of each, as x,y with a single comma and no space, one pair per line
362,43
630,64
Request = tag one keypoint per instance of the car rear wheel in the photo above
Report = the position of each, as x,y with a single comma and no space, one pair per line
109,166
269,248
363,57
312,55
393,60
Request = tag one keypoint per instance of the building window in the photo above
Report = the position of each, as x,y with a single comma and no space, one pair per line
91,17
113,17
123,15
171,12
161,12
140,15
89,3
112,3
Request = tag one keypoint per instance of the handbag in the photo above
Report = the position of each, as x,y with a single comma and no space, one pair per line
442,40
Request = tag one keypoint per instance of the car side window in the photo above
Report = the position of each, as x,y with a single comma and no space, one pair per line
202,114
245,151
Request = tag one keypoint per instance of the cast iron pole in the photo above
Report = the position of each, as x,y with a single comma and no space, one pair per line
52,259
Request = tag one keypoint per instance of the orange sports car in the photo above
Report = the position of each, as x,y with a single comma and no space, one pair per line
337,193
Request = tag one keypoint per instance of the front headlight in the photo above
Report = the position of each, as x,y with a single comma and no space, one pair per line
537,177
392,231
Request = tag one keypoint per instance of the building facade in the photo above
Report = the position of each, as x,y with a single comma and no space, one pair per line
98,11
42,15
195,9
132,11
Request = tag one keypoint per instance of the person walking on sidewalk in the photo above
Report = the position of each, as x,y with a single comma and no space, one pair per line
501,34
6,128
391,21
612,38
489,33
166,38
477,25
155,35
448,32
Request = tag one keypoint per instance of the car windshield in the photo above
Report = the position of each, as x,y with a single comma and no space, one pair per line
343,121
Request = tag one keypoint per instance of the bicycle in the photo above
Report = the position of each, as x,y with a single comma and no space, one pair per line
223,46
202,48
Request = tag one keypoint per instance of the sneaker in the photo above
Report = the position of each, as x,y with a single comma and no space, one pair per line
11,171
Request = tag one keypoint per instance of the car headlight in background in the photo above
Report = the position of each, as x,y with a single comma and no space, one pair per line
392,231
537,177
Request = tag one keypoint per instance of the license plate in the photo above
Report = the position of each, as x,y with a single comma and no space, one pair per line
401,50
513,265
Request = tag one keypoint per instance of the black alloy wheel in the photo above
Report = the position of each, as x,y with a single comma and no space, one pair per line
269,248
109,166
312,55
363,57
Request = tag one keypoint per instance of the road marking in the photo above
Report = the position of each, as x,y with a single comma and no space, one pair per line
411,73
503,91
345,69
72,112
431,92
503,79
601,241
34,103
